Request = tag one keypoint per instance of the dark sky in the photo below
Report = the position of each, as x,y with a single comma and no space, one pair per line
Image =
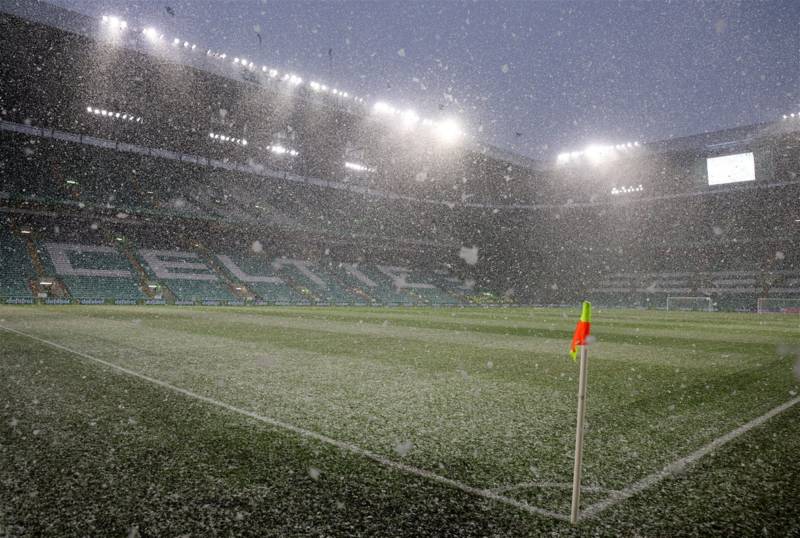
561,74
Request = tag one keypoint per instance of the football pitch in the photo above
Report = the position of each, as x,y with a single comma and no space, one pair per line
278,421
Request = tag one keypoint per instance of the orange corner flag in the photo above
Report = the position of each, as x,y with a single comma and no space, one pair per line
582,330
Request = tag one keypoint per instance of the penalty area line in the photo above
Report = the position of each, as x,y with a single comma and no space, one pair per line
679,465
302,432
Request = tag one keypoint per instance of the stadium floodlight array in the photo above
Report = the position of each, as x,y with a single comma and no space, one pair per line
114,22
596,152
448,131
113,114
226,138
626,190
277,149
154,36
322,88
791,116
358,167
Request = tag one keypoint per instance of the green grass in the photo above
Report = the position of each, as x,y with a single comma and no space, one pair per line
485,397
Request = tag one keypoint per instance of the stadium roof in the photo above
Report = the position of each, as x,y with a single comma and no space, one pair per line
57,17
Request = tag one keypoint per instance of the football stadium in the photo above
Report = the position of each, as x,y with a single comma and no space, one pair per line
278,308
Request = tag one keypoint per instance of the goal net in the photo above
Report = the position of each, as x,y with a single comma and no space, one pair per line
775,304
698,304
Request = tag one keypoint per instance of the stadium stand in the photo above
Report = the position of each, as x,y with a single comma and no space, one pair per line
546,233
16,269
257,274
92,271
185,274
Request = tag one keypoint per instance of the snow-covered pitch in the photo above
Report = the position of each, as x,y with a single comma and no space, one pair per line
358,421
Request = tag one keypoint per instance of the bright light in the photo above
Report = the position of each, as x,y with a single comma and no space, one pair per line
152,34
277,149
410,119
383,108
273,73
448,131
626,190
597,153
115,23
89,109
358,167
176,41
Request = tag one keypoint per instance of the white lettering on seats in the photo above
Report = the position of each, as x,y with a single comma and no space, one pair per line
231,266
59,255
352,270
161,267
399,276
301,266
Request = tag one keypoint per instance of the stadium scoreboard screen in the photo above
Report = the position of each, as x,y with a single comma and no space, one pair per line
731,168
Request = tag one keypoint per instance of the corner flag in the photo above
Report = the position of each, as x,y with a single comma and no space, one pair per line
582,330
579,341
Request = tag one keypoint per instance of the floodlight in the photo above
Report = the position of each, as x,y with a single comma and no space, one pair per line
383,108
151,34
357,167
176,41
448,131
273,73
598,153
410,119
89,109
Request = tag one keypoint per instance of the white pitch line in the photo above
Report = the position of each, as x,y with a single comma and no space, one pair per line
551,485
678,465
422,473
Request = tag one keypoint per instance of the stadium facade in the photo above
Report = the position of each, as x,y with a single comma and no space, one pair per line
138,167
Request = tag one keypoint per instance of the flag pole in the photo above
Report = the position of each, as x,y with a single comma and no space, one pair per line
576,474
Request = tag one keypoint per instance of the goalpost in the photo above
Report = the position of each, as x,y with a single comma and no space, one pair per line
778,305
697,304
